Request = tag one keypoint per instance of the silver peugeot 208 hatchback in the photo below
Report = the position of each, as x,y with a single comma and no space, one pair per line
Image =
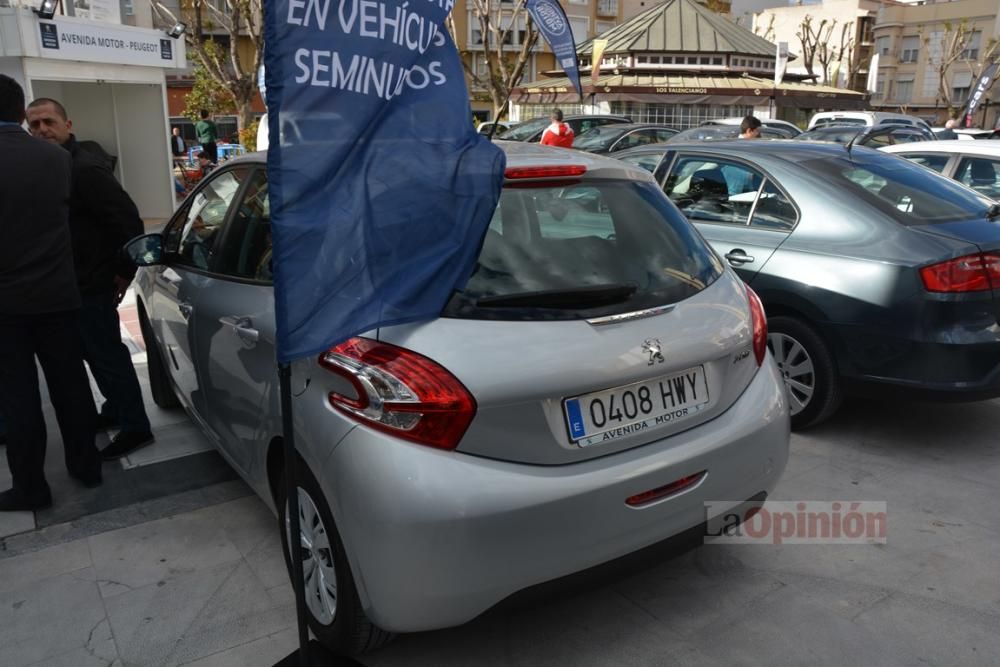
599,379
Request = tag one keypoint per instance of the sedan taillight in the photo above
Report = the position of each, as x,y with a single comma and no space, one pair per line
400,392
971,273
759,321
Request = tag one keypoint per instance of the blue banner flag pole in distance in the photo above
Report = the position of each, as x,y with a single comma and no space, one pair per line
380,188
552,23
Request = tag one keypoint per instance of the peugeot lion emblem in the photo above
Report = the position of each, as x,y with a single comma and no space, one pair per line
653,347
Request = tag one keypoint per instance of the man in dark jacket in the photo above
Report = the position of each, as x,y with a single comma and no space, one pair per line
102,218
39,305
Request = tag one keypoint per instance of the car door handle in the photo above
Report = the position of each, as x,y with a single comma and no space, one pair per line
738,256
186,310
243,327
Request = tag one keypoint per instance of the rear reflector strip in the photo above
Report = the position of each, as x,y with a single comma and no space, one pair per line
662,492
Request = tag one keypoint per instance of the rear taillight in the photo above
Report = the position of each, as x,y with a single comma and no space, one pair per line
971,273
400,392
759,322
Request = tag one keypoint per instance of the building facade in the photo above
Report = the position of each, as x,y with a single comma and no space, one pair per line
680,63
911,41
842,27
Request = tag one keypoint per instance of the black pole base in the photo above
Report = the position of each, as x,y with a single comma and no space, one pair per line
317,655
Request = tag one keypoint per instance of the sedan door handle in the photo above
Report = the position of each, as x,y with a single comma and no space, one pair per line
738,256
186,310
243,327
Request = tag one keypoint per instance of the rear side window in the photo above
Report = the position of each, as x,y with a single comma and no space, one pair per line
581,250
980,174
909,194
933,161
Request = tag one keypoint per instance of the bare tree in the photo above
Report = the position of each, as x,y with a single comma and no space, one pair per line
239,20
955,40
498,24
810,38
848,48
768,32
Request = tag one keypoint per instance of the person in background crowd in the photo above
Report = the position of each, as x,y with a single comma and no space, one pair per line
949,130
102,218
205,163
558,133
750,128
177,146
208,135
39,308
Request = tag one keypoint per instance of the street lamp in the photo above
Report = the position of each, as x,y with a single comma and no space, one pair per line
47,9
177,30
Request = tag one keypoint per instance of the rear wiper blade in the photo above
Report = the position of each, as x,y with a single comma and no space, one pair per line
577,297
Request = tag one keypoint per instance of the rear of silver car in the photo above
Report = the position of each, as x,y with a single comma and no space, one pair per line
599,379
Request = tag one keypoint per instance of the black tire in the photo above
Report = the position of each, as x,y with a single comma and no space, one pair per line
826,387
159,379
350,632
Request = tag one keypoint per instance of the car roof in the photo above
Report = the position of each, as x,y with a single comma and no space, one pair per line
787,150
524,154
950,146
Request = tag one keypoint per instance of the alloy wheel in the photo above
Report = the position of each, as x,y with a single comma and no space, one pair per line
318,569
796,367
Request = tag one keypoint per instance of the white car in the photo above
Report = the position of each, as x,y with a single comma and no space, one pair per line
866,118
972,163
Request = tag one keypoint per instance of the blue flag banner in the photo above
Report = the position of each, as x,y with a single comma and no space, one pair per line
380,189
552,23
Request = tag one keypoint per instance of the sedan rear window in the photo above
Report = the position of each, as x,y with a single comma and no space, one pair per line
909,193
582,250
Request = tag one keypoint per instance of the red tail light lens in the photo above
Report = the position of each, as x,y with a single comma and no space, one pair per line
971,273
759,321
400,392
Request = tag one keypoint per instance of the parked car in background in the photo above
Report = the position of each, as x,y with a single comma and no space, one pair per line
722,132
782,126
625,383
865,118
502,126
875,137
876,274
972,163
531,130
621,136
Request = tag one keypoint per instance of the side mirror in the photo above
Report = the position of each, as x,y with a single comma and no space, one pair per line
146,250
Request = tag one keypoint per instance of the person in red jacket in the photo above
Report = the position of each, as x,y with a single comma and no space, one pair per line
558,133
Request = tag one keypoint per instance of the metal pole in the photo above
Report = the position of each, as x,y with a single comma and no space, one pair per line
292,494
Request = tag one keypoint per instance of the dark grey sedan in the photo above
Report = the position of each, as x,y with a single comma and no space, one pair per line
877,275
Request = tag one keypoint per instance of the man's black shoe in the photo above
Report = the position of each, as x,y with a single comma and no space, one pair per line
105,421
12,501
124,443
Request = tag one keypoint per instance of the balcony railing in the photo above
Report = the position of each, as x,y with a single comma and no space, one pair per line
607,7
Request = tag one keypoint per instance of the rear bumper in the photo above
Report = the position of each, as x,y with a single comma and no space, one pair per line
436,538
960,364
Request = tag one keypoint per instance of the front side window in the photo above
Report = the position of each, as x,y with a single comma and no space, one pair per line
198,231
707,189
585,249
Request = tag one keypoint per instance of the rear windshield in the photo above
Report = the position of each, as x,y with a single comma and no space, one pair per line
906,191
598,137
582,250
824,122
527,129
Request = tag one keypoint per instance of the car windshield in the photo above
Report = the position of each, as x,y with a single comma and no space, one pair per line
598,137
909,193
706,133
826,122
585,249
526,130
